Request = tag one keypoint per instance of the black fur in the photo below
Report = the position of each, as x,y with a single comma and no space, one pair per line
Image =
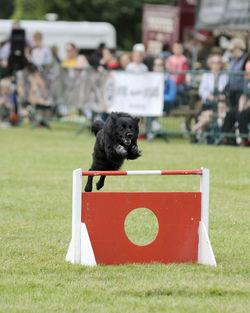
116,140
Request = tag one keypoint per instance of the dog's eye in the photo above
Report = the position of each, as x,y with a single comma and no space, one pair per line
130,126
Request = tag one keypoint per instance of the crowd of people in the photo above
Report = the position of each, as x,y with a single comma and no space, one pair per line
224,96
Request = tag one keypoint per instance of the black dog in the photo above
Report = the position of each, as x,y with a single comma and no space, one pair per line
116,140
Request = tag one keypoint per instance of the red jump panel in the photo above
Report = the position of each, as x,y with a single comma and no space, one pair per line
178,215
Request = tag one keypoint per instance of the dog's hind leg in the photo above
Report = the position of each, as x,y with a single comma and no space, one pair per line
88,187
100,182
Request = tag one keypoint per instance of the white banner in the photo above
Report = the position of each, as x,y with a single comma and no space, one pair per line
138,94
134,93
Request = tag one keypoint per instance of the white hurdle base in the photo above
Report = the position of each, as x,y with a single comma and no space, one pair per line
205,251
87,256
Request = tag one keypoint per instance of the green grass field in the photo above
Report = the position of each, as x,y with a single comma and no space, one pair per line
35,229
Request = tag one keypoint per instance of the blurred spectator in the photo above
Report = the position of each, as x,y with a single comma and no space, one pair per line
165,53
71,56
5,50
40,55
5,104
178,62
241,114
96,56
3,54
158,65
214,50
205,119
169,91
137,64
169,86
38,98
55,54
147,60
244,107
124,60
238,58
198,48
213,83
82,62
223,42
73,60
212,91
108,60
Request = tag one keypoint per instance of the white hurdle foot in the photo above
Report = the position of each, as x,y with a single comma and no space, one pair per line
205,251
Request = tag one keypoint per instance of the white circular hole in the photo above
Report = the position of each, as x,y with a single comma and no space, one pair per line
141,226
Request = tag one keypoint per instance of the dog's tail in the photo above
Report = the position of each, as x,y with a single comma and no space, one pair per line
97,125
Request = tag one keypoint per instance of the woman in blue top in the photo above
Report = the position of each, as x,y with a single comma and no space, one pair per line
169,94
169,86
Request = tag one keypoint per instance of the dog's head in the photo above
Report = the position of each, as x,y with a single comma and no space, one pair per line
126,128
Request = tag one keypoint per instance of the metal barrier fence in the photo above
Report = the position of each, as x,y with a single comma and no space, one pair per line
67,94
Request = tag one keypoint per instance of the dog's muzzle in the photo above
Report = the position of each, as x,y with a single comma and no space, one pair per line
127,139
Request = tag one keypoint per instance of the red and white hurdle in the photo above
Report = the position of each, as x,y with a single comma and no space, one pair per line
98,234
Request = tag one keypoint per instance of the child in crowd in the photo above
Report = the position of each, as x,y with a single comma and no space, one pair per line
137,64
40,55
179,63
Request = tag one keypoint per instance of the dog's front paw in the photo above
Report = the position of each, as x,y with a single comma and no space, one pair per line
120,150
135,150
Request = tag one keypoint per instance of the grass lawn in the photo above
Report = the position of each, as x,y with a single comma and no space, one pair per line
35,229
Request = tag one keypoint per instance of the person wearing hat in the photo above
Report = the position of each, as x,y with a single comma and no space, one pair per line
137,64
238,58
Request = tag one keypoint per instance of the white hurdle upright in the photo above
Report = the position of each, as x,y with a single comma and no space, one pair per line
81,250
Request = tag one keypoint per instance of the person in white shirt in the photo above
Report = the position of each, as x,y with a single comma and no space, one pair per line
212,92
137,64
212,80
40,55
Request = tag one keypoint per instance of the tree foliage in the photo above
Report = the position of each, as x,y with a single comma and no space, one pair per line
30,9
126,16
6,8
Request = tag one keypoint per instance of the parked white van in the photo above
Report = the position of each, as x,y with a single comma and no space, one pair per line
85,35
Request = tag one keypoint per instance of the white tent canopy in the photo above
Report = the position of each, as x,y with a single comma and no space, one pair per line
85,35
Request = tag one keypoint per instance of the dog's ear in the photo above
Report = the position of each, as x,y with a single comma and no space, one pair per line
113,115
137,120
